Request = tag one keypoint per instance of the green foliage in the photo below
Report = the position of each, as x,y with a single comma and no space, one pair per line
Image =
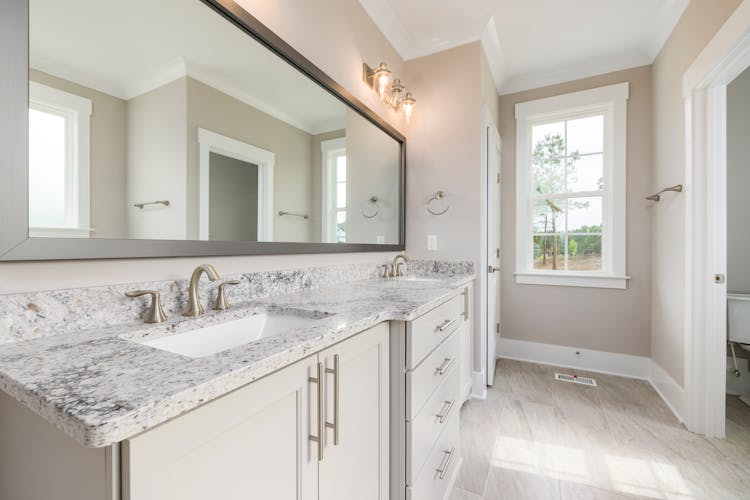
548,165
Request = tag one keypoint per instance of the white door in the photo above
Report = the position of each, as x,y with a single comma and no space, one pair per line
253,442
355,463
493,248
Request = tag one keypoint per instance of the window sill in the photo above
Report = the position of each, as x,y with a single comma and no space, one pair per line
60,232
573,279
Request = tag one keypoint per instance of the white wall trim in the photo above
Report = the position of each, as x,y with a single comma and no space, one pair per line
610,363
211,142
704,88
673,394
478,385
328,209
611,101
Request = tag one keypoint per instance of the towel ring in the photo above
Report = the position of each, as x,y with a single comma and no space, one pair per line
374,201
437,197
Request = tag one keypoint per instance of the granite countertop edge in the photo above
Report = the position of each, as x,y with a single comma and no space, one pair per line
97,430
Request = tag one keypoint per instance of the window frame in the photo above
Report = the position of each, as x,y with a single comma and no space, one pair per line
610,101
77,112
331,149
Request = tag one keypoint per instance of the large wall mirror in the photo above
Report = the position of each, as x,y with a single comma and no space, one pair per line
184,127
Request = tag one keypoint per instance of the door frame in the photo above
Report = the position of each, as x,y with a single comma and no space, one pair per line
705,93
212,142
480,378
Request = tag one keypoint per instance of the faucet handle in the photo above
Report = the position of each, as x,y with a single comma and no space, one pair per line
388,270
222,304
155,313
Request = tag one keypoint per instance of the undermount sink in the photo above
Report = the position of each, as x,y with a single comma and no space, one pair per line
216,338
416,278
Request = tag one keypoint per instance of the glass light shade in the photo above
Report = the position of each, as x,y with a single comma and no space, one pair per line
382,78
408,105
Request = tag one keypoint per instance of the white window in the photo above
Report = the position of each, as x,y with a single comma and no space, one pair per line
334,190
59,163
570,189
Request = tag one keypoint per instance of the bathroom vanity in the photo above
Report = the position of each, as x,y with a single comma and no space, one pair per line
358,399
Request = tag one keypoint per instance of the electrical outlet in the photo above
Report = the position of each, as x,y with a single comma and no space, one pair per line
432,242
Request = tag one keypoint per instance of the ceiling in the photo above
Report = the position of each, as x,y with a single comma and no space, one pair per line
128,48
532,43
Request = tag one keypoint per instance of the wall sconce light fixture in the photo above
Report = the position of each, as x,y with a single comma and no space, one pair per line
394,93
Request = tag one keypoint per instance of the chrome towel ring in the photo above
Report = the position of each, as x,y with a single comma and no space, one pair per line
437,197
374,201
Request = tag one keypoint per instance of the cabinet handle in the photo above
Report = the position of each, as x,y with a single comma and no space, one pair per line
447,363
335,424
446,325
444,415
444,467
319,438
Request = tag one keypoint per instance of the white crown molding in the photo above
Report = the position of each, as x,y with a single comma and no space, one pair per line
671,14
493,50
391,27
572,72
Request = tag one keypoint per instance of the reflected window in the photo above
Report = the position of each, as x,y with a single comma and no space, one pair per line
334,190
59,150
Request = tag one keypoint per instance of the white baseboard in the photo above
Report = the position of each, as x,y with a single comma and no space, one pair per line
571,357
478,385
673,394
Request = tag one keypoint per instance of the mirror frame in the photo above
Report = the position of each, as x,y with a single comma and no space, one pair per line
15,243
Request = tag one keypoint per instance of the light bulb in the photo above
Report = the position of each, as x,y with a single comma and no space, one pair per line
382,78
408,105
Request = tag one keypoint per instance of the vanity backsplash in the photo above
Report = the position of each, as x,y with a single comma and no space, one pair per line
26,316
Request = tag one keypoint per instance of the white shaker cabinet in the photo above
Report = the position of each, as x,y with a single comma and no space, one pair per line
255,442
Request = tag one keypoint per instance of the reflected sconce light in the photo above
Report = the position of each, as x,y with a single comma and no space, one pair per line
392,92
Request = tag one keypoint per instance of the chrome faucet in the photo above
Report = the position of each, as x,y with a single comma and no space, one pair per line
396,265
194,307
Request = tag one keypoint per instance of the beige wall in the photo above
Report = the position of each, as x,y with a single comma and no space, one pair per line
698,24
156,158
738,184
215,111
373,161
344,37
590,318
108,146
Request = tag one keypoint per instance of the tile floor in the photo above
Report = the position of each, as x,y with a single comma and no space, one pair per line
537,438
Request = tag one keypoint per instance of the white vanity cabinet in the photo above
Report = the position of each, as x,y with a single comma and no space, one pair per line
430,380
255,442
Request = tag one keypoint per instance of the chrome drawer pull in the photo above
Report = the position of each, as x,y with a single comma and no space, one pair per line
335,424
444,468
319,438
444,415
446,325
440,370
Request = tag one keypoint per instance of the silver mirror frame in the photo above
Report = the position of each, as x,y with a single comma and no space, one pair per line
16,245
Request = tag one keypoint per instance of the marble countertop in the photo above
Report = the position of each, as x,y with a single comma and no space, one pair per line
101,387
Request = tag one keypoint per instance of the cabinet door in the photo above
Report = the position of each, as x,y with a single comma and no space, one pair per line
356,465
251,443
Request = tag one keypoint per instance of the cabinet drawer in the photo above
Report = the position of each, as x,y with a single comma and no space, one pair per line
430,329
422,382
433,481
423,431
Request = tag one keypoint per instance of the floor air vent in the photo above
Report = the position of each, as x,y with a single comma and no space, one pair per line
575,379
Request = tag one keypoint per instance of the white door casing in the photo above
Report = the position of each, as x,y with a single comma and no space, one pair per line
211,142
704,89
493,247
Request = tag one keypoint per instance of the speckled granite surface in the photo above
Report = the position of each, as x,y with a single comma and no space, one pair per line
100,386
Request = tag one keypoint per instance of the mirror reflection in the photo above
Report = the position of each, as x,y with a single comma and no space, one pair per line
162,120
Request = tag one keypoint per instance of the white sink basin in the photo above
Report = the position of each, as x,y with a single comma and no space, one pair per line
416,278
217,338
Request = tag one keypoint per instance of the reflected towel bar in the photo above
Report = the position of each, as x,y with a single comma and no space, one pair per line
284,212
157,202
656,197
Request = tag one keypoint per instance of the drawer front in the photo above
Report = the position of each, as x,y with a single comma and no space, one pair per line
423,431
422,382
426,332
433,481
